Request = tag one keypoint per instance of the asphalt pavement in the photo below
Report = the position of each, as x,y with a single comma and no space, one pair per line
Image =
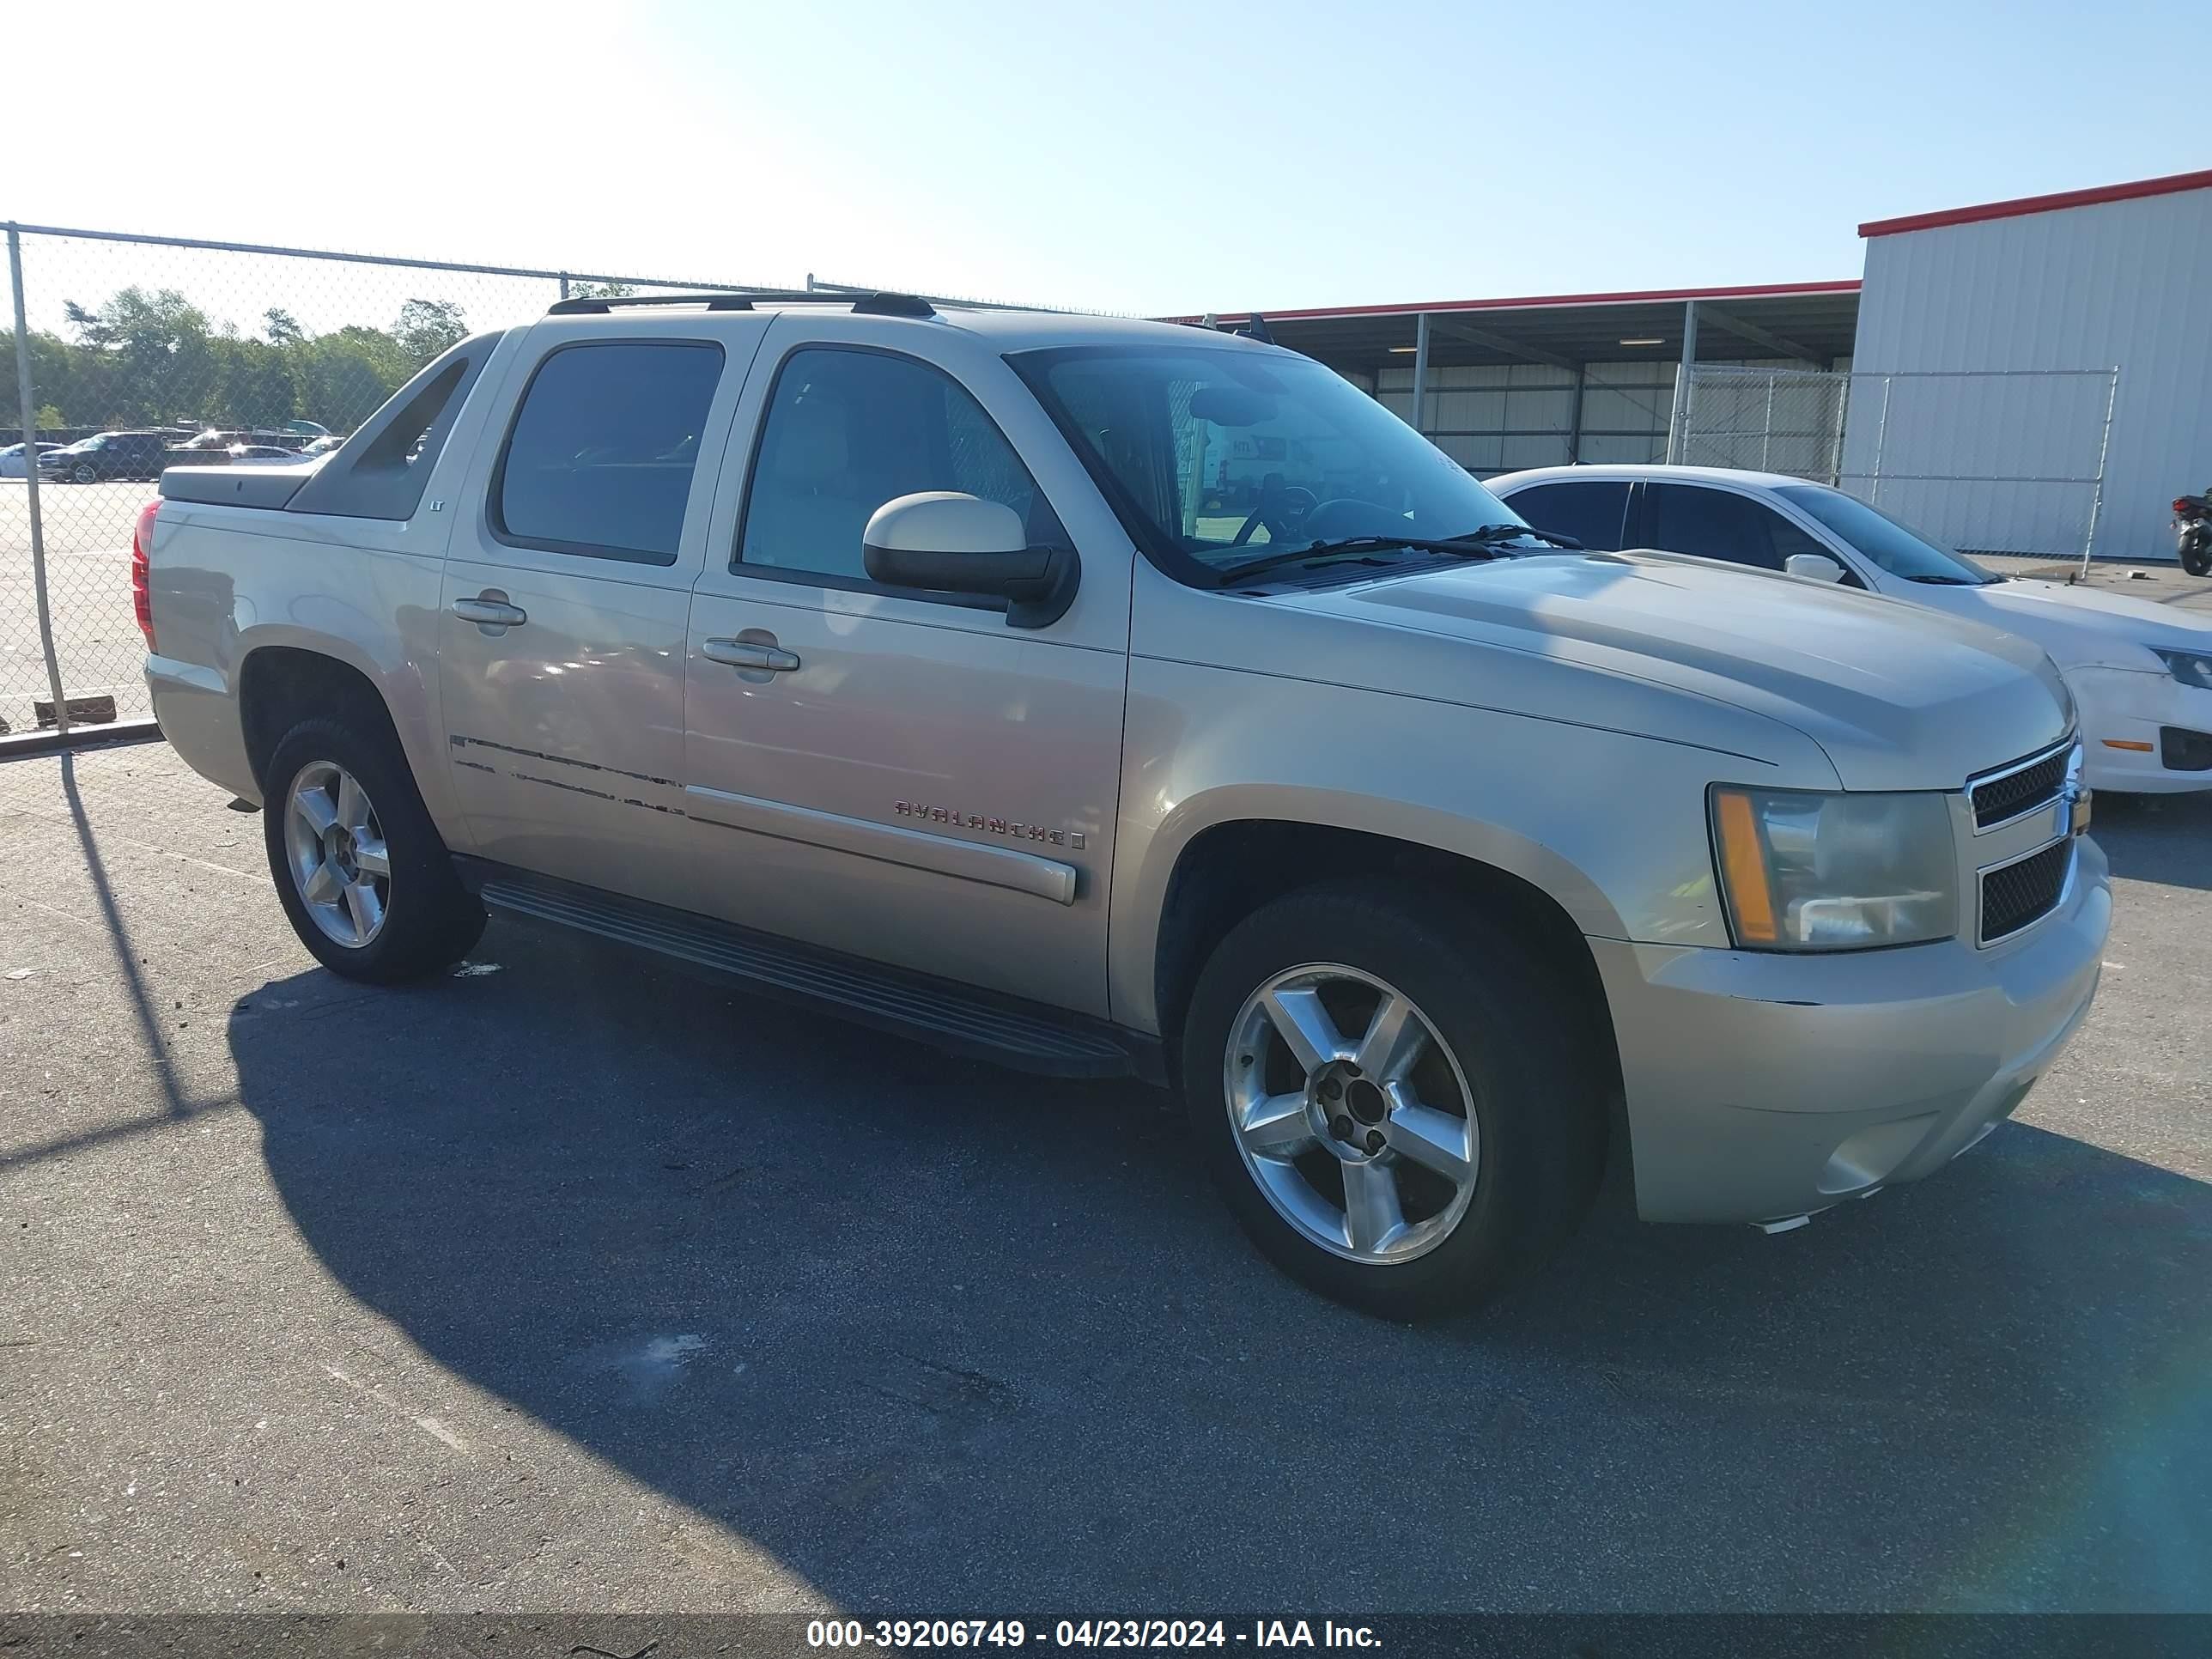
566,1282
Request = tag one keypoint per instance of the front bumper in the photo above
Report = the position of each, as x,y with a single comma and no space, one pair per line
1763,1086
2119,705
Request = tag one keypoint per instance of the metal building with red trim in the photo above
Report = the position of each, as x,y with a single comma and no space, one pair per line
2029,375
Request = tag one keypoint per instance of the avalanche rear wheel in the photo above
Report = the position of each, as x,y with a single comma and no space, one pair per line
334,848
364,877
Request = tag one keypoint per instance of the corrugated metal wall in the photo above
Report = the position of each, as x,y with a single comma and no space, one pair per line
2126,282
1502,417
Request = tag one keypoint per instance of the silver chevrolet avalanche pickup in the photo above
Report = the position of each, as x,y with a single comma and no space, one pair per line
1108,698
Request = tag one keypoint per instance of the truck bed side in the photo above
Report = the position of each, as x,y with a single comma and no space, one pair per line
343,562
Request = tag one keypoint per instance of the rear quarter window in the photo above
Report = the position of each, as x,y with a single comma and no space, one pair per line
600,459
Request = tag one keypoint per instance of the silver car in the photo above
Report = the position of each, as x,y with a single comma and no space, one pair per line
1116,698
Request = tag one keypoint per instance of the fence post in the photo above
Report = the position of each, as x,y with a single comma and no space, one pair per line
31,483
1678,428
1420,367
2104,447
1843,391
1881,442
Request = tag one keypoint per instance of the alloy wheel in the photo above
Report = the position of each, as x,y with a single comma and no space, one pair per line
1352,1114
334,846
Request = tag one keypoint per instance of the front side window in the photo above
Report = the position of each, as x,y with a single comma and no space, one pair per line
1587,509
846,431
600,458
1897,549
1217,454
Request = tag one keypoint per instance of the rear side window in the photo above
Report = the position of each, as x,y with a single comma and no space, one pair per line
1590,510
600,458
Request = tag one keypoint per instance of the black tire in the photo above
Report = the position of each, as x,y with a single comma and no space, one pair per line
2197,556
429,920
82,473
1517,1029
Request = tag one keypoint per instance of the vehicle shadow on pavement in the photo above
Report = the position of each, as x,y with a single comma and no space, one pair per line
938,1338
2165,838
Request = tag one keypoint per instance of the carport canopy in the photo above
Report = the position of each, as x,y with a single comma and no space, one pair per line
1813,322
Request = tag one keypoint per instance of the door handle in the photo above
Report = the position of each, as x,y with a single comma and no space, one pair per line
490,609
748,654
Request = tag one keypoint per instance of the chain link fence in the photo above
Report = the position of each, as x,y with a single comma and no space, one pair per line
2006,461
143,352
1765,420
131,354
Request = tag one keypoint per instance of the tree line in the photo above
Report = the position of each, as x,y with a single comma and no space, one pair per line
155,359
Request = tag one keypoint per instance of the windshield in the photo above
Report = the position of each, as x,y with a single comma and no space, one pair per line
1225,454
1897,549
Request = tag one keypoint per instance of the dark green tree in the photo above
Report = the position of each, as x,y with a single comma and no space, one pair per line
259,389
147,357
344,376
427,327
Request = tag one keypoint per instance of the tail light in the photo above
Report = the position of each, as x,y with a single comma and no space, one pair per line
2181,503
142,595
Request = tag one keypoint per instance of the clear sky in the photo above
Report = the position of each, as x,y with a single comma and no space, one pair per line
1132,156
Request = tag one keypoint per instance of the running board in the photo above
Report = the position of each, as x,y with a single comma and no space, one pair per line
956,1018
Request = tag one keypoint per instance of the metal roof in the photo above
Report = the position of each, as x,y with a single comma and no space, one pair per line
1813,321
2021,205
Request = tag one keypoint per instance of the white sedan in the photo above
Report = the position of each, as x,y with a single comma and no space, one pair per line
2140,672
16,464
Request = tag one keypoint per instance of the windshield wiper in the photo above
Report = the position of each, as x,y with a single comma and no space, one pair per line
1481,543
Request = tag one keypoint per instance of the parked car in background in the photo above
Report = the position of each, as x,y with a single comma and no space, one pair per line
15,460
215,440
107,456
888,658
263,455
2141,673
230,441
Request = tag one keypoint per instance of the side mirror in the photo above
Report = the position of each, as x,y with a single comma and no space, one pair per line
950,543
1818,566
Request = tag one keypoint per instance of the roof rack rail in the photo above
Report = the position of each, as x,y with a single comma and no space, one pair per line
1256,328
864,304
601,304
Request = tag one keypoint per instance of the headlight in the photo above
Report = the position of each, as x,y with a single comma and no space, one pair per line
2189,667
1803,872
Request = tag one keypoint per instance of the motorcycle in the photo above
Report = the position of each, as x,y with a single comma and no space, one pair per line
2193,533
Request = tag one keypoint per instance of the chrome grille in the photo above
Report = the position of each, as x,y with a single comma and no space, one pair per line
2013,894
2020,788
